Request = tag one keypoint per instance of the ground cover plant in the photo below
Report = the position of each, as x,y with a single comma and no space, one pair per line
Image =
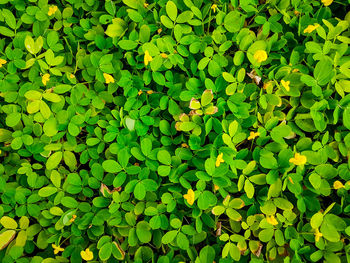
174,131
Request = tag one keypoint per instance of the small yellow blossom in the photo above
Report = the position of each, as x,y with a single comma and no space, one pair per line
159,30
295,70
272,220
145,4
260,56
57,249
311,28
140,92
216,187
253,135
298,159
296,12
45,78
87,254
214,7
338,185
73,218
163,55
72,76
147,58
108,78
189,197
52,10
2,62
285,84
318,235
219,160
327,2
150,92
184,145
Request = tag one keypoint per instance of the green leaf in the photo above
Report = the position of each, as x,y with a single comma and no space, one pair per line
324,71
116,29
233,21
164,157
171,10
265,235
169,236
106,251
30,44
182,241
207,97
167,22
346,117
249,189
146,146
44,109
9,18
54,160
50,127
329,232
111,166
207,254
6,237
47,191
128,44
143,232
140,191
70,160
6,32
8,222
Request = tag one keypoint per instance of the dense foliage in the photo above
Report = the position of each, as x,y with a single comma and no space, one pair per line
174,131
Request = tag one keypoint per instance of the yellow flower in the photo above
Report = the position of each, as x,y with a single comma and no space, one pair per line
318,235
145,5
147,58
52,10
140,92
184,145
253,135
216,187
45,78
189,197
214,7
73,218
285,84
109,78
2,62
150,92
311,28
72,76
57,249
272,220
260,56
87,254
219,160
327,2
163,55
337,185
298,159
